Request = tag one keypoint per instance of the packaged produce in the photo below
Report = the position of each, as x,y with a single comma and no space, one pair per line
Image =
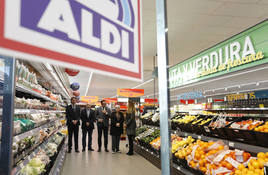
246,124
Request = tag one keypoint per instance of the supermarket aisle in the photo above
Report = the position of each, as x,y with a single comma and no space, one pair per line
106,163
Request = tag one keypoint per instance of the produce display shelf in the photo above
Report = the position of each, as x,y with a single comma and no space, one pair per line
155,160
232,144
31,156
31,132
35,111
238,109
21,88
58,165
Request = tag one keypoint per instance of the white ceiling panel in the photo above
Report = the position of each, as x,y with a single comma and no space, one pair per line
194,25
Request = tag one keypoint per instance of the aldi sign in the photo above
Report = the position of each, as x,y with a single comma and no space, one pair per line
101,35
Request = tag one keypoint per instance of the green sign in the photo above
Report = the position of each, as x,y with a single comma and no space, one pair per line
247,49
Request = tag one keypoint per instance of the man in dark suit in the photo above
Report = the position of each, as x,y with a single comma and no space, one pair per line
103,115
88,119
73,122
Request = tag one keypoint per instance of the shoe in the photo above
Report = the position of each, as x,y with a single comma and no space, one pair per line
118,151
129,153
83,150
99,150
69,151
113,152
90,149
106,150
77,151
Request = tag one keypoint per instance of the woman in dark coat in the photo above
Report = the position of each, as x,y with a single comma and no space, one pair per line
117,121
131,126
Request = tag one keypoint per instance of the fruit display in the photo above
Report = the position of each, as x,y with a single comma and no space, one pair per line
180,143
156,143
213,157
246,124
203,122
219,123
262,128
255,165
186,119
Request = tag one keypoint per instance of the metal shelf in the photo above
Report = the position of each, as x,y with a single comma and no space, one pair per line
238,109
21,88
35,111
179,168
58,165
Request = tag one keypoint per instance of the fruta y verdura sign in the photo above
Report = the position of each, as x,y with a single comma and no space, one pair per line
98,35
247,49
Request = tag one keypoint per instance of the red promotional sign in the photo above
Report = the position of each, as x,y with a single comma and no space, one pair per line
100,36
147,100
130,92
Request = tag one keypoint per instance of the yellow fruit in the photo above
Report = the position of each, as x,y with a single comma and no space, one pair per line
241,166
250,167
256,165
266,154
261,162
261,155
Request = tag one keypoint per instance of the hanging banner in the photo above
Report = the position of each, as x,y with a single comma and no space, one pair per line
110,100
245,50
103,36
130,92
89,99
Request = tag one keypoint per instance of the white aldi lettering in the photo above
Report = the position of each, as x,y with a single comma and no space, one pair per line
97,35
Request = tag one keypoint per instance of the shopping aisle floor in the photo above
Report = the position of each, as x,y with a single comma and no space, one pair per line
94,163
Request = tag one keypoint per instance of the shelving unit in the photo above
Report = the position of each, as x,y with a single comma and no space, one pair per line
25,156
36,150
58,165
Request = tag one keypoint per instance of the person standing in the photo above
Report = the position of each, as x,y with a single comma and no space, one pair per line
103,115
117,121
88,119
73,122
131,126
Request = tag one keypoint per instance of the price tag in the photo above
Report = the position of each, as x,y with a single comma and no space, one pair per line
178,168
199,137
231,144
185,134
206,129
261,105
233,162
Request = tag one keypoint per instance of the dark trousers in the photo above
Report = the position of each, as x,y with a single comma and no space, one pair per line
130,140
73,130
104,130
86,131
115,142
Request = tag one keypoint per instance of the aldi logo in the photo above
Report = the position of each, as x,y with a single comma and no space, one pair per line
103,36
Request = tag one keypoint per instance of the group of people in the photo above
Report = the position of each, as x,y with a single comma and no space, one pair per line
102,116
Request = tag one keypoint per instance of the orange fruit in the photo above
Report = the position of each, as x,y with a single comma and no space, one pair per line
266,154
229,166
250,167
240,167
256,165
261,162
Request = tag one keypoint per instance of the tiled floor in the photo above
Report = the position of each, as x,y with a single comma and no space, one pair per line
107,163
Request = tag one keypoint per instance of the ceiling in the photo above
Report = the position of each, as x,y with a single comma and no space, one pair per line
193,26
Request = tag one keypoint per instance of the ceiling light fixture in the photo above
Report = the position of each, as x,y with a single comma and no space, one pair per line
145,82
89,81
